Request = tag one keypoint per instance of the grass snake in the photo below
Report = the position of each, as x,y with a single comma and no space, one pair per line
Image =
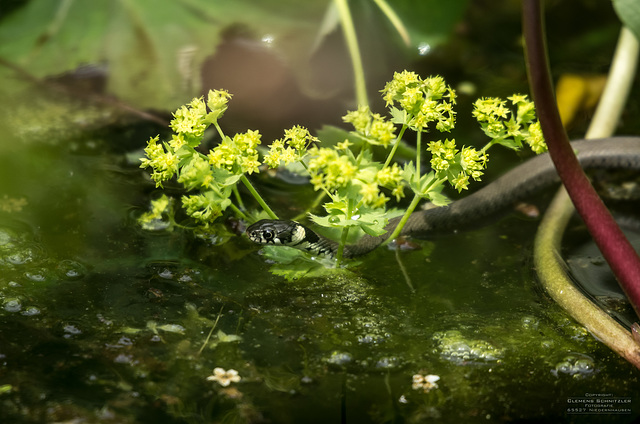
517,184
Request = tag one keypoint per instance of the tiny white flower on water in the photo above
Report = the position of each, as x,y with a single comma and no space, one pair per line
425,382
431,378
224,378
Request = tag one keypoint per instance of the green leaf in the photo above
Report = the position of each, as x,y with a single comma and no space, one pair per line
437,198
225,178
152,50
293,264
336,208
371,222
509,143
629,13
398,116
430,22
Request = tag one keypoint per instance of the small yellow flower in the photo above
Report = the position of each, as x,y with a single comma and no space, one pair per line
217,101
224,378
461,182
344,145
536,139
518,98
360,119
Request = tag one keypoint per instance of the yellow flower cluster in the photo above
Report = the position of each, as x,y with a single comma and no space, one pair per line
508,128
376,129
329,170
196,174
238,155
457,165
391,177
443,154
217,101
164,164
188,121
423,101
359,179
204,207
473,162
291,148
535,140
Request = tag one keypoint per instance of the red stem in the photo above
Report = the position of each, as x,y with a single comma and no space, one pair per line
615,248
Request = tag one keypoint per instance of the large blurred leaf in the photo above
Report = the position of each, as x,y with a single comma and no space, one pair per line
629,13
430,22
152,49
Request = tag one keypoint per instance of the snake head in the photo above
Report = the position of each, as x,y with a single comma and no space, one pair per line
272,231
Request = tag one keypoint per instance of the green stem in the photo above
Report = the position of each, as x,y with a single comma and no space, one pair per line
220,133
403,220
418,162
345,233
395,146
351,39
257,196
316,202
239,213
394,19
236,193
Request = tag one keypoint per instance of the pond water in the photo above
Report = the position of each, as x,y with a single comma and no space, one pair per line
101,321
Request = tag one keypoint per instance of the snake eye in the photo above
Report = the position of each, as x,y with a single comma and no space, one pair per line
268,235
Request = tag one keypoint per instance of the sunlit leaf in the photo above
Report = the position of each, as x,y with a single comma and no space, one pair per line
152,52
629,13
227,338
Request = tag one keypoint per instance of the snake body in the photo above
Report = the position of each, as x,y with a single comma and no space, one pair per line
517,184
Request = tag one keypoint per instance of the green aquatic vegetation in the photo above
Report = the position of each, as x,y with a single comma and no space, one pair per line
359,187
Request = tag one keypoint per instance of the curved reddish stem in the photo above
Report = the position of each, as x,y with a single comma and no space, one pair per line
615,248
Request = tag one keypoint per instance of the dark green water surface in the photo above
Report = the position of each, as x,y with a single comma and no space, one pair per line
101,321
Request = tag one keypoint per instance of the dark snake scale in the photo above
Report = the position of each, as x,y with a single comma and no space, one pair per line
517,184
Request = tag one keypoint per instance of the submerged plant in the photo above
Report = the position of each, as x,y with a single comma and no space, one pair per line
359,187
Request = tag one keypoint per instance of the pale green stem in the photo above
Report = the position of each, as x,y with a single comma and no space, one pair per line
403,220
239,213
258,198
395,146
220,133
316,202
552,273
236,193
410,209
210,332
418,161
617,88
351,39
345,234
395,20
550,267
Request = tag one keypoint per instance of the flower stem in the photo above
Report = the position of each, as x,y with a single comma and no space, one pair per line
351,39
418,160
220,133
258,198
239,213
236,193
345,234
403,220
395,20
395,146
